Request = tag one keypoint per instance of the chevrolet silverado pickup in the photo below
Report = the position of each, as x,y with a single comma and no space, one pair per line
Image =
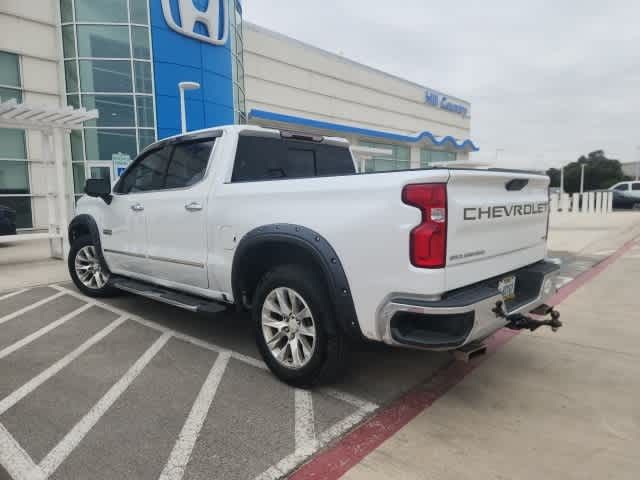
282,225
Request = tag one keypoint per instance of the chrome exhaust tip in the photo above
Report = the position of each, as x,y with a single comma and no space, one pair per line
469,352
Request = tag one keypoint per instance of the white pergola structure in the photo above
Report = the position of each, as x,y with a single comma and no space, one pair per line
53,123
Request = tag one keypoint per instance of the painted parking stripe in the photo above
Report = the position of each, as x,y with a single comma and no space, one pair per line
38,333
10,400
71,440
13,294
17,313
15,460
305,433
255,362
181,453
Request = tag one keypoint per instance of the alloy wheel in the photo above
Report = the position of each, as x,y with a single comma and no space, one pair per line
88,268
288,327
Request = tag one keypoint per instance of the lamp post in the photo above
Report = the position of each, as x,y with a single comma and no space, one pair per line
638,163
182,87
582,178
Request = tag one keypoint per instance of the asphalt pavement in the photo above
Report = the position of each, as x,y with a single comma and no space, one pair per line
131,388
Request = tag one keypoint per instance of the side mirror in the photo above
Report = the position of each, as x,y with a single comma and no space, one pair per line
99,188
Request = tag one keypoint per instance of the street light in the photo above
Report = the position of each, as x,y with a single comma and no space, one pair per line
582,178
182,87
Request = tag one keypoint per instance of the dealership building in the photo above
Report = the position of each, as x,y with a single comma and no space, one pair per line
125,58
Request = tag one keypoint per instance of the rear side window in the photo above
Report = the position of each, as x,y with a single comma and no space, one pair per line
622,187
266,158
188,163
635,186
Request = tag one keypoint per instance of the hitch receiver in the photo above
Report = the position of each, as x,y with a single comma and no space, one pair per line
525,322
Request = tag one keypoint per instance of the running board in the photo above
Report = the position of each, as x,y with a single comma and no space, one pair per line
168,296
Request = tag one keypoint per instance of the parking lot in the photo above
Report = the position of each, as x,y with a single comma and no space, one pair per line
130,388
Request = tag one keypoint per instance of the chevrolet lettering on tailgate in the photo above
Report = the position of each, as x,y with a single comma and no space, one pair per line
498,211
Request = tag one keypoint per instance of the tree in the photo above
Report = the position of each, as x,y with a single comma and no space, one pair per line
600,173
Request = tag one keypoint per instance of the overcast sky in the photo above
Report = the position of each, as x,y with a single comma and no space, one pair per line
547,80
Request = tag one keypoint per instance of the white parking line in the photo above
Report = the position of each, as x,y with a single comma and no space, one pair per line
305,429
348,398
306,440
17,313
38,333
71,440
15,460
181,453
12,294
181,336
288,463
17,395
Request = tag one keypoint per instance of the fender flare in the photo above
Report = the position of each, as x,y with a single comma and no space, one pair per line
323,254
85,221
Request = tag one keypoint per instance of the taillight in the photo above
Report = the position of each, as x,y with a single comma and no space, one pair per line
428,241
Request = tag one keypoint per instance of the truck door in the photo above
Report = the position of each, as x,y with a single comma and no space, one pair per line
176,220
124,234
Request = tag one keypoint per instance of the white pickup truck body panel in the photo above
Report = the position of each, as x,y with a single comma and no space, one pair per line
362,217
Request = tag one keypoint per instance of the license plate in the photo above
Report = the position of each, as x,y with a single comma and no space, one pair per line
507,287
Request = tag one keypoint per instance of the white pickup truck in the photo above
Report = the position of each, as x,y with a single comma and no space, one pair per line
282,225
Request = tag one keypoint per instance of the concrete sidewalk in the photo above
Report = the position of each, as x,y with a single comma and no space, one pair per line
29,264
545,405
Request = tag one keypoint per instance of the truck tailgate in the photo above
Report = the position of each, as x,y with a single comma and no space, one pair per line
497,222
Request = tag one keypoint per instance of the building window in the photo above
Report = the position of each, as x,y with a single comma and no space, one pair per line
15,191
237,61
107,52
427,157
399,159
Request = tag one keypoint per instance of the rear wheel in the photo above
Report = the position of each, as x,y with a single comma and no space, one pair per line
86,271
292,312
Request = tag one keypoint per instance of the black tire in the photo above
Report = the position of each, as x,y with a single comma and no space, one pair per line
78,244
329,359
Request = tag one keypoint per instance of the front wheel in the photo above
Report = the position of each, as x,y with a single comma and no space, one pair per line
292,312
86,271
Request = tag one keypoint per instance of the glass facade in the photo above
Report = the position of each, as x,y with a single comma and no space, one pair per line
14,167
400,158
107,64
427,157
236,43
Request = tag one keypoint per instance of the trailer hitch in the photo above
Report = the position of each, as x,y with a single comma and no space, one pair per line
519,321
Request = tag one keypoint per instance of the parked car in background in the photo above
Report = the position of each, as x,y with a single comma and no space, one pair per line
626,194
7,221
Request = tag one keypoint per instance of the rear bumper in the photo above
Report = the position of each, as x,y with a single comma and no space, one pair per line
464,315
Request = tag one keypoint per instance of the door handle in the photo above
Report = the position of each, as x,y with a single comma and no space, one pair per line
193,206
136,207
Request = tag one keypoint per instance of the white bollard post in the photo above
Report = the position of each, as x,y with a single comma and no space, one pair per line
587,200
610,202
575,203
597,202
593,202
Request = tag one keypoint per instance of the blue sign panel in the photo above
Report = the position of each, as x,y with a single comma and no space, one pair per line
445,103
190,43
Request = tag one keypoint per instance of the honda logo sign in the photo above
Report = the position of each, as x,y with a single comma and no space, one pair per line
190,16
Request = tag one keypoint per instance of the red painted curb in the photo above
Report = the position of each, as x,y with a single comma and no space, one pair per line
351,449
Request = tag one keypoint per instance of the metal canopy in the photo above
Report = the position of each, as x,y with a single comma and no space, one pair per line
40,117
